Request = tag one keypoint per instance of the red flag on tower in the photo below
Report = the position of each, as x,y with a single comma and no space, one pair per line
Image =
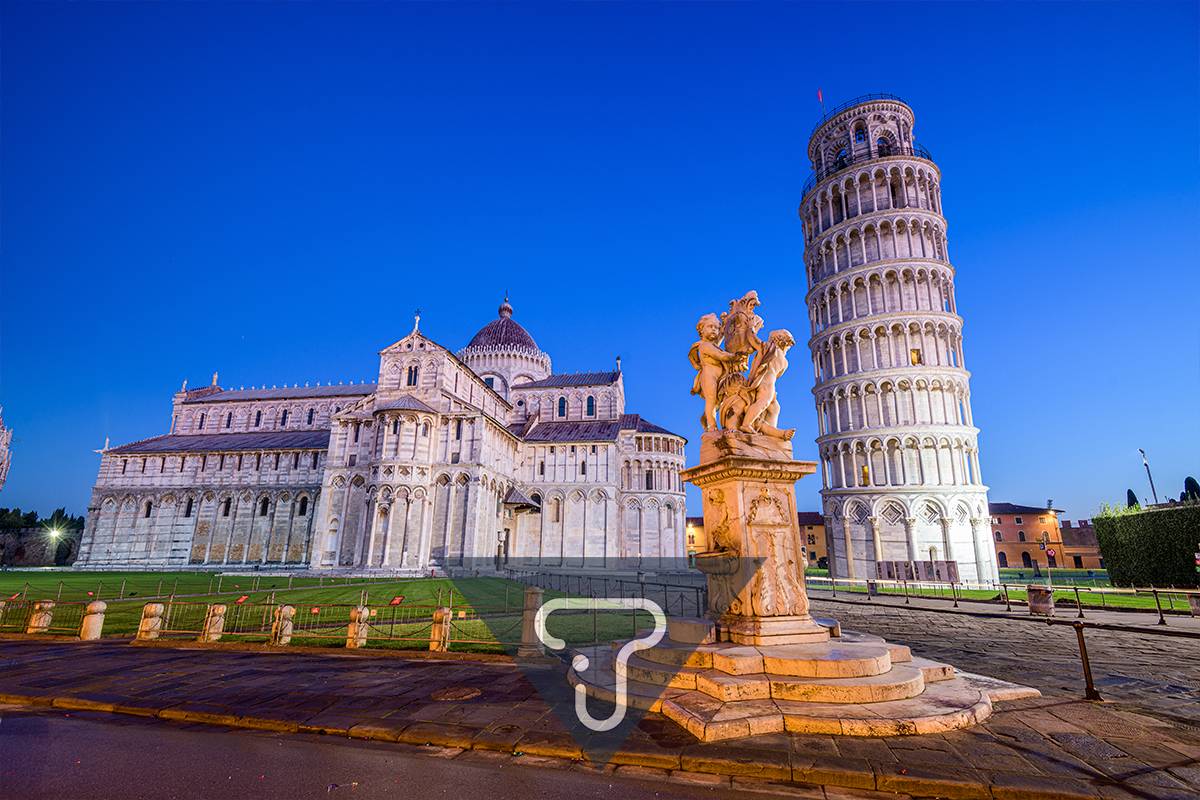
820,97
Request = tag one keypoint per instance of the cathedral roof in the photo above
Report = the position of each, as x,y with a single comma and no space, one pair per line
405,403
572,379
284,393
504,332
212,442
586,431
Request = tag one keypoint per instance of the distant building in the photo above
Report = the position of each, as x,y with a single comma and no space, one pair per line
812,537
1026,536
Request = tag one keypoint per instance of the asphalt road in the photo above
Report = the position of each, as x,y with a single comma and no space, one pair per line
79,755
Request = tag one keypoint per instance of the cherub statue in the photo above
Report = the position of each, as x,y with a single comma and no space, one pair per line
751,405
711,364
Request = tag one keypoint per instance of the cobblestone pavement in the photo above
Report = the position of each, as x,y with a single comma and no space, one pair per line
1149,673
1052,747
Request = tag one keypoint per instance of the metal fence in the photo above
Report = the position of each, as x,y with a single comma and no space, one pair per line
41,616
676,598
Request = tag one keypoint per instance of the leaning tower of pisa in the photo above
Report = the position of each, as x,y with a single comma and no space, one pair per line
898,445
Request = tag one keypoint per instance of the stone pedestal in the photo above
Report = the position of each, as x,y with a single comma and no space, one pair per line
755,567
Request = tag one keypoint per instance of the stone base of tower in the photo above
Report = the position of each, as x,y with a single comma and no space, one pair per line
853,684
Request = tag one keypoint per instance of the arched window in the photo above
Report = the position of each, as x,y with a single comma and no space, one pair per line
311,413
883,146
263,507
537,501
396,426
187,509
413,373
314,459
583,467
201,425
1026,561
490,381
649,479
591,406
556,510
841,160
149,508
1003,560
229,420
1021,536
296,460
225,507
458,429
424,428
303,510
257,418
860,135
998,537
562,406
283,418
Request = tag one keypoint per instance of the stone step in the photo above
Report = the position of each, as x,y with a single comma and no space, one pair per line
943,706
827,660
934,671
600,680
899,683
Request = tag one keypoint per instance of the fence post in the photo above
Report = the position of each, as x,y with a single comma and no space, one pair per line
93,620
531,645
439,632
1090,692
281,630
40,617
151,622
121,591
214,623
356,631
1161,619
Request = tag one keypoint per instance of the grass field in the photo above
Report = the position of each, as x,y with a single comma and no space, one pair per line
492,606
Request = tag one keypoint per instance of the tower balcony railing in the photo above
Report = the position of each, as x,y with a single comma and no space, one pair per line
862,98
850,159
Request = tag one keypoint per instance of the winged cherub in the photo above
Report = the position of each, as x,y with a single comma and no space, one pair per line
711,364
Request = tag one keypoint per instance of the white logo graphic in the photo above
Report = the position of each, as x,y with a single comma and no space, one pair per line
580,662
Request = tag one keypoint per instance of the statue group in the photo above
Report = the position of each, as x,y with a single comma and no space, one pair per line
736,372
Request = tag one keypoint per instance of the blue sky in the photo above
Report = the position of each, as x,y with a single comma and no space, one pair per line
269,190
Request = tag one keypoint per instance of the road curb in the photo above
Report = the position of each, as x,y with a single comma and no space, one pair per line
443,740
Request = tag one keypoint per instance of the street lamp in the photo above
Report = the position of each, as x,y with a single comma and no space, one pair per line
1146,462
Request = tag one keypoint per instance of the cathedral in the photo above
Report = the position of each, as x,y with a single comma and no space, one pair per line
449,461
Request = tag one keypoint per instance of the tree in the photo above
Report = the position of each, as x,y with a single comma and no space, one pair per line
1131,499
1191,488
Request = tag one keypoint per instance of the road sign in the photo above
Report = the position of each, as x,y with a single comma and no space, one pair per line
397,600
242,599
1050,552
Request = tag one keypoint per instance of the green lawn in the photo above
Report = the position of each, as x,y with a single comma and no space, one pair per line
492,607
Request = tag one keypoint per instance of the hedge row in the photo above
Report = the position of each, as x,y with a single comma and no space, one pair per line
1155,547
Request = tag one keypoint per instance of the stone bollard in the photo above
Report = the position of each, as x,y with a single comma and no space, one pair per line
214,623
151,623
281,631
93,620
439,632
531,646
40,617
356,631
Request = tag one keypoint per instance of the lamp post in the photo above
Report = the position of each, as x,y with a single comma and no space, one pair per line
1146,462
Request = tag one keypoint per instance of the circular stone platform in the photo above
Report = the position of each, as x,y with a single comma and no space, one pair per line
854,684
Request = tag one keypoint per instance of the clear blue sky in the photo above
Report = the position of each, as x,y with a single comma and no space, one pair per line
269,190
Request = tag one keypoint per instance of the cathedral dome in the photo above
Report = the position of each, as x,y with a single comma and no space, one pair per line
503,332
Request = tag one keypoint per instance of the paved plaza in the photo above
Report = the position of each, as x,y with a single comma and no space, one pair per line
1142,742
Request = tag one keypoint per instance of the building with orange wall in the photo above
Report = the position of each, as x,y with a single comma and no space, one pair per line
1025,536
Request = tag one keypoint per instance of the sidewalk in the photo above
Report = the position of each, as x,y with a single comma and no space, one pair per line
1051,747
